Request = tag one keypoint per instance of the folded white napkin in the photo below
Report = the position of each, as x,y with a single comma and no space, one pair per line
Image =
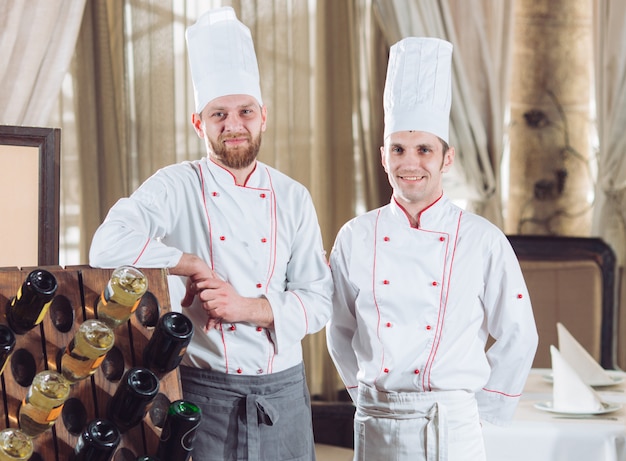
581,361
569,392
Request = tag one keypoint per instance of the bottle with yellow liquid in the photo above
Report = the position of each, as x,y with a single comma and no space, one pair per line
43,403
86,351
15,445
121,296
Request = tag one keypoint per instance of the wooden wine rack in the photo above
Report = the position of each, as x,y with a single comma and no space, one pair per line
40,348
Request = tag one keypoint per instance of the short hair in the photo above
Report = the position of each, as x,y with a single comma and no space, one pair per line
444,145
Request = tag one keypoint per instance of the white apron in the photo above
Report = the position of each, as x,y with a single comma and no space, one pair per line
417,426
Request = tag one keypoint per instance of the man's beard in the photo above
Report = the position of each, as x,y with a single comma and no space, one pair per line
236,157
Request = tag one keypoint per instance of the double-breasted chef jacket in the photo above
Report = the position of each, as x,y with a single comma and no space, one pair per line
263,238
413,307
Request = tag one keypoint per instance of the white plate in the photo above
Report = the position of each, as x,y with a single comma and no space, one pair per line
606,408
614,377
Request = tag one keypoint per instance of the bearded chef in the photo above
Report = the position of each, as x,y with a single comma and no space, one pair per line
245,257
420,284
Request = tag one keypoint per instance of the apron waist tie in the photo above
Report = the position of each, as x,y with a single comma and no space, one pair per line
435,412
436,428
258,411
436,433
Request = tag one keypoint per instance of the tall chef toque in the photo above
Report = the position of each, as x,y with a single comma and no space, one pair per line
221,57
418,88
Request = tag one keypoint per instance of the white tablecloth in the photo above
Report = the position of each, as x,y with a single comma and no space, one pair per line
537,435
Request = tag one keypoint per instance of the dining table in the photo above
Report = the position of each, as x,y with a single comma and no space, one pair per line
538,433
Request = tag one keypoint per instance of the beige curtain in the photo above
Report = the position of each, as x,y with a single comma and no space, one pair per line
37,39
100,103
609,214
368,63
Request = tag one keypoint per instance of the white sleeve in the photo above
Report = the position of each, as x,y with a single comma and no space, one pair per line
305,305
342,326
511,323
131,231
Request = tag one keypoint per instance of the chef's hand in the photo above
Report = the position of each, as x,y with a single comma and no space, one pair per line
196,270
223,304
221,301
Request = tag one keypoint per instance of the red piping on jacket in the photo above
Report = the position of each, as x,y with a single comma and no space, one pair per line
382,361
502,393
141,253
206,213
272,266
208,220
442,312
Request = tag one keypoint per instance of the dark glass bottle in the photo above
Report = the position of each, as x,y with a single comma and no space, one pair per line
168,343
179,431
147,458
127,407
7,345
28,308
97,442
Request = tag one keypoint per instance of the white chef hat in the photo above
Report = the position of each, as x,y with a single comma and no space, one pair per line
418,88
221,57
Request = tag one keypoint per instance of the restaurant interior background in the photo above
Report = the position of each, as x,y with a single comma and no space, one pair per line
538,116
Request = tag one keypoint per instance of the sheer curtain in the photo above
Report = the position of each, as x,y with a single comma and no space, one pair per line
37,40
609,214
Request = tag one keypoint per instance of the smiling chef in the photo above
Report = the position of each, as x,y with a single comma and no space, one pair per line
421,284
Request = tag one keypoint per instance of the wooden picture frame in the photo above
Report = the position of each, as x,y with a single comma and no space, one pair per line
23,149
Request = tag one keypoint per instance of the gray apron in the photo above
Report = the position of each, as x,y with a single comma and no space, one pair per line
417,426
254,418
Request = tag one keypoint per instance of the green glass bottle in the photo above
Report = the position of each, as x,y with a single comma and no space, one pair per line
179,431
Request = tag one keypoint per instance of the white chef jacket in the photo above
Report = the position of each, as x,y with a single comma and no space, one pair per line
413,307
263,238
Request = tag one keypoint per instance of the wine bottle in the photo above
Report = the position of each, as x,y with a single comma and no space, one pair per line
98,441
121,296
168,343
179,431
43,402
147,458
28,307
7,345
15,445
138,387
86,351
